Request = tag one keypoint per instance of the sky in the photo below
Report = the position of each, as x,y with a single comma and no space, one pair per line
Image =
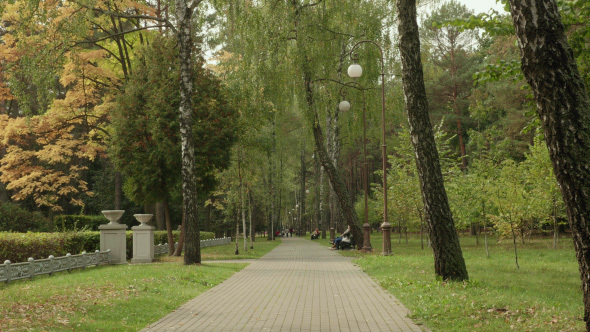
482,6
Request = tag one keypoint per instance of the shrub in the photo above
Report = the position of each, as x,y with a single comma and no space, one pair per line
18,247
14,218
65,223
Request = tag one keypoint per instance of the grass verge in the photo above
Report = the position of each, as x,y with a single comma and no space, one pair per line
543,295
116,298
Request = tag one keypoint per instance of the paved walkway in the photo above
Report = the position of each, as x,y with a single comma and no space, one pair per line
298,286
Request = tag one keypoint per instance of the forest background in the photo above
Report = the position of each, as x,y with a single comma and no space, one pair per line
88,122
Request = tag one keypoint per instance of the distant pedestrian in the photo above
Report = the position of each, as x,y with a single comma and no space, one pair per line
291,231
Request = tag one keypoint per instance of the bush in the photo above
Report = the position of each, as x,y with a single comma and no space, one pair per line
13,218
18,247
65,223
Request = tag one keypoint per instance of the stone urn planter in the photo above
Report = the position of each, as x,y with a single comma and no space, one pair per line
113,215
143,218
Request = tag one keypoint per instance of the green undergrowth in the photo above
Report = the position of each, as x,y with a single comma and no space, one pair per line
542,295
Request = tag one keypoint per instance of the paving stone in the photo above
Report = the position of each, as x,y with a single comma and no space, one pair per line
298,286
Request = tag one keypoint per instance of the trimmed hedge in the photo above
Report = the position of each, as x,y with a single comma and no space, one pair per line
13,218
18,247
64,223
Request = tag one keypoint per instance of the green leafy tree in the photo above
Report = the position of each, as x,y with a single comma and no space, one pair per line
146,143
510,197
451,51
547,205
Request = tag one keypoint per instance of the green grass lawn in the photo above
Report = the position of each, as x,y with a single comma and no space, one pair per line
118,297
543,295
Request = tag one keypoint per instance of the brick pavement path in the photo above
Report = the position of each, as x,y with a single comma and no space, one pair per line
298,286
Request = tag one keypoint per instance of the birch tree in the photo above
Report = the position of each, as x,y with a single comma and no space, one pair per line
563,106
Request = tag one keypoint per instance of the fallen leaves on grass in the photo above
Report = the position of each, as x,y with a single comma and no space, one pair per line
53,311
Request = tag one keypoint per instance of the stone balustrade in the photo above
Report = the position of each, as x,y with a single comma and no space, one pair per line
14,271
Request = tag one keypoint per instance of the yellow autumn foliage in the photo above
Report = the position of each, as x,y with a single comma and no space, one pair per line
47,156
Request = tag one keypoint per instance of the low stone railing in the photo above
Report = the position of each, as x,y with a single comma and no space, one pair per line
161,249
14,271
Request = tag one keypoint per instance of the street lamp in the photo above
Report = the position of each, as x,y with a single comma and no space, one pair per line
355,71
343,107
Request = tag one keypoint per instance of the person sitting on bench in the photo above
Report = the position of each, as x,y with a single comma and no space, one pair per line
315,234
339,239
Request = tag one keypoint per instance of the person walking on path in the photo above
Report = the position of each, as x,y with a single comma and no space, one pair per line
298,286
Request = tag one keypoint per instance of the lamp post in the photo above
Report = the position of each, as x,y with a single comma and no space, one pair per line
355,71
343,107
298,219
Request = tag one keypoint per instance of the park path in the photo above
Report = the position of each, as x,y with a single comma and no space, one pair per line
298,286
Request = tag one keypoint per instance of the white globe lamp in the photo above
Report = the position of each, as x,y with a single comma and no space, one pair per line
344,106
355,70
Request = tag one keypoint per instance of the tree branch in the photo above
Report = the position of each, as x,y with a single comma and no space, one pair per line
194,4
313,4
131,16
121,33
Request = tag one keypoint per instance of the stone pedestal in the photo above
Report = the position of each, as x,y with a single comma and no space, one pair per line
143,240
112,236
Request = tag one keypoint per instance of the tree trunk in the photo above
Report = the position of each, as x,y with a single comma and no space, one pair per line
485,231
421,226
303,179
168,219
237,233
564,109
399,229
242,203
336,181
181,236
338,186
118,190
252,228
514,244
317,198
323,210
406,232
160,217
448,258
460,131
184,13
272,200
555,227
